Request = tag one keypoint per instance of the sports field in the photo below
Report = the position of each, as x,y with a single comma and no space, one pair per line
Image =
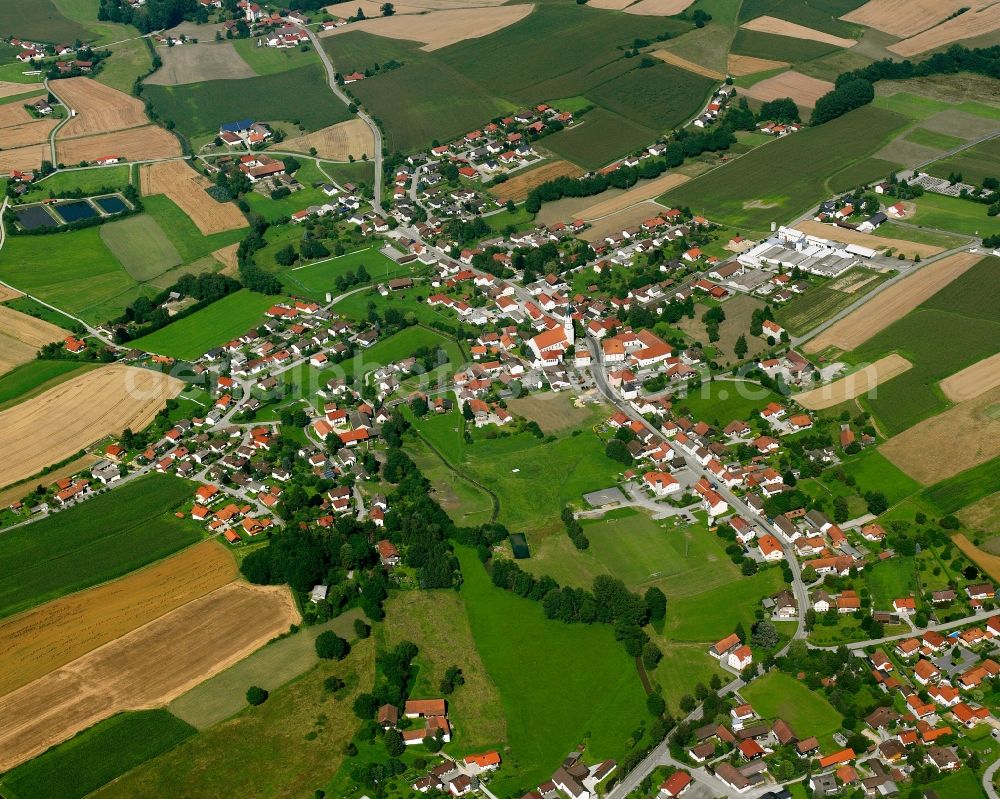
778,695
103,538
193,335
775,182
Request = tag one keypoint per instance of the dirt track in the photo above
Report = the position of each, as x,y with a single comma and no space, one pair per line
854,384
133,144
186,187
336,142
54,425
782,27
846,236
100,109
517,187
144,668
973,380
41,640
892,304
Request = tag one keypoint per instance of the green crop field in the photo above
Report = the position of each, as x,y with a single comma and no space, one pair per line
974,164
106,537
874,472
600,138
776,182
315,280
189,241
822,15
193,335
932,138
721,401
779,48
89,181
141,246
954,213
27,305
965,488
865,171
298,94
34,377
96,756
39,20
549,702
778,695
804,312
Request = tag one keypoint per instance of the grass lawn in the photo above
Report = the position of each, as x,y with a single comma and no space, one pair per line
953,213
682,668
560,684
721,401
316,279
84,763
295,741
193,335
963,784
270,60
36,376
778,695
874,472
106,537
89,181
891,579
141,246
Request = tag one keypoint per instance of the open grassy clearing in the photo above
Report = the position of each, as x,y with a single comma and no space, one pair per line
315,280
953,213
545,715
721,401
751,191
553,412
129,60
778,695
94,542
874,472
466,504
89,181
891,579
974,164
193,335
708,46
141,246
684,665
82,764
964,489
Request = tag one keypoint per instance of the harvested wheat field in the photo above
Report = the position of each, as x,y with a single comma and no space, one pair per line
192,63
25,133
803,89
677,61
134,144
39,641
144,668
15,492
640,192
854,384
10,89
748,65
99,108
658,8
951,442
972,23
973,380
437,29
227,257
336,142
21,336
892,304
186,187
373,8
611,5
609,224
517,187
15,113
782,27
848,236
7,293
24,158
907,17
65,419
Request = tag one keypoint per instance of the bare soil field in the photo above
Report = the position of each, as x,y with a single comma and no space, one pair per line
640,192
133,144
951,442
21,336
892,304
437,29
35,131
39,641
984,560
227,257
336,142
11,89
99,108
905,17
972,23
517,187
683,63
24,158
748,64
908,248
801,88
145,668
553,412
854,384
191,63
782,27
973,380
619,220
65,419
658,8
16,492
186,188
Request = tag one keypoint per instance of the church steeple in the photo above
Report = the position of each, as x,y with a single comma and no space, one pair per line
568,325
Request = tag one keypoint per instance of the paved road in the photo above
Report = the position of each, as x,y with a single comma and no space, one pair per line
988,780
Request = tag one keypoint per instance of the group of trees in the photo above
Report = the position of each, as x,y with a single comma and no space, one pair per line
152,15
146,314
574,529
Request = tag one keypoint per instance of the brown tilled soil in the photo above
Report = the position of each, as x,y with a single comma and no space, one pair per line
517,187
191,63
892,304
144,668
134,144
336,142
553,412
65,419
34,643
186,188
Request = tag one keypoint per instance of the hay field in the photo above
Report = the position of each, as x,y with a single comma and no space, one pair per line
65,419
803,89
147,667
336,142
24,158
906,17
21,336
847,236
517,187
39,641
748,65
11,89
892,304
640,192
678,61
134,144
99,108
972,23
191,63
14,113
973,380
951,442
854,384
553,412
782,27
186,187
437,29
